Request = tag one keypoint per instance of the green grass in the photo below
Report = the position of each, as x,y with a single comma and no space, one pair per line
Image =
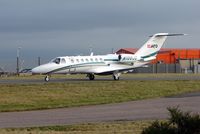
118,127
19,97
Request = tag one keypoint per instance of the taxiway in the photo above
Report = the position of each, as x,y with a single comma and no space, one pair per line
134,110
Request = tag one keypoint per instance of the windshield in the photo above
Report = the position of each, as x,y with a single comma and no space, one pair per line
56,60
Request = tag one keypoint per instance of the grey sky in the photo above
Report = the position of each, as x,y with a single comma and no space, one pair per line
50,28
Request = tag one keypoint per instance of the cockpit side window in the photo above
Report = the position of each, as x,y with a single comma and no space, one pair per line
57,60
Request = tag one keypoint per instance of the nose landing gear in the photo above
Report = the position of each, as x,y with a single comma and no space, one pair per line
47,78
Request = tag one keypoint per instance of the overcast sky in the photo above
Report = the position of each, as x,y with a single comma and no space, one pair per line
50,28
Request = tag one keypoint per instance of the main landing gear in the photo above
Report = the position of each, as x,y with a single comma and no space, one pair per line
91,76
116,76
47,78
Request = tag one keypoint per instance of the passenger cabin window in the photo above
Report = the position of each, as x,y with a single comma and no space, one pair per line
91,59
72,60
96,59
82,60
77,60
87,60
63,61
57,60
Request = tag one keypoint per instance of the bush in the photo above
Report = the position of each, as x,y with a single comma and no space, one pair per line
178,123
159,128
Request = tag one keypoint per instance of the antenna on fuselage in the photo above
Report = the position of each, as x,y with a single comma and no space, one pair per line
91,51
112,51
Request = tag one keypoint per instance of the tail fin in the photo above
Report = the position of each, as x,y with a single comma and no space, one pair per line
150,49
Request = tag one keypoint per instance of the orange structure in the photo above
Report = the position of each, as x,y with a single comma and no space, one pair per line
169,55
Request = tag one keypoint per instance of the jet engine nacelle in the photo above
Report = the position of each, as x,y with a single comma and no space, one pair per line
126,58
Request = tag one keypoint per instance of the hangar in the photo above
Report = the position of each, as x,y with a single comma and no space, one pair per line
177,59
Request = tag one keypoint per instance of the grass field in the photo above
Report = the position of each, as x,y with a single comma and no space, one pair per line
118,127
19,97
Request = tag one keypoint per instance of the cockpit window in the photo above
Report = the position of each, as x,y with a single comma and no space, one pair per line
57,60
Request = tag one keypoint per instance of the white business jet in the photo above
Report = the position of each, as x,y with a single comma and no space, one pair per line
110,64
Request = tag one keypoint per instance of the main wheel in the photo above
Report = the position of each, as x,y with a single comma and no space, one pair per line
46,78
116,76
91,76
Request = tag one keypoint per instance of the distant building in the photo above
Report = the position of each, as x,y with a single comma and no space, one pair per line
169,55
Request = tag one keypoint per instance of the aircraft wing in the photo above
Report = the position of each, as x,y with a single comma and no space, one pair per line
110,69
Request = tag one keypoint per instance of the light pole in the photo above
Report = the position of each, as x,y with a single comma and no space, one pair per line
39,60
18,52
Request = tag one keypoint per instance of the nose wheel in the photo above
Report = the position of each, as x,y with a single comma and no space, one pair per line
47,78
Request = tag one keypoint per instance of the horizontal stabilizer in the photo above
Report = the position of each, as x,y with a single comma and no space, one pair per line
166,34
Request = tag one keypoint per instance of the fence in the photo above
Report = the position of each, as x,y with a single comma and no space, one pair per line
159,68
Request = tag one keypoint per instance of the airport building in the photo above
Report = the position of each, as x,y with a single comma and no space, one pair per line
172,60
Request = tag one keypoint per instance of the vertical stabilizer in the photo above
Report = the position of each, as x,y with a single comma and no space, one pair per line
150,49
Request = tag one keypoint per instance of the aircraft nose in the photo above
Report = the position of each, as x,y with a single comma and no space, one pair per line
42,69
36,70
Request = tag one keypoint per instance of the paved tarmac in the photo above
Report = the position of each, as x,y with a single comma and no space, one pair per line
134,110
153,78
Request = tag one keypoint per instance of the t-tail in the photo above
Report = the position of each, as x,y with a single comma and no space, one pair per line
151,48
